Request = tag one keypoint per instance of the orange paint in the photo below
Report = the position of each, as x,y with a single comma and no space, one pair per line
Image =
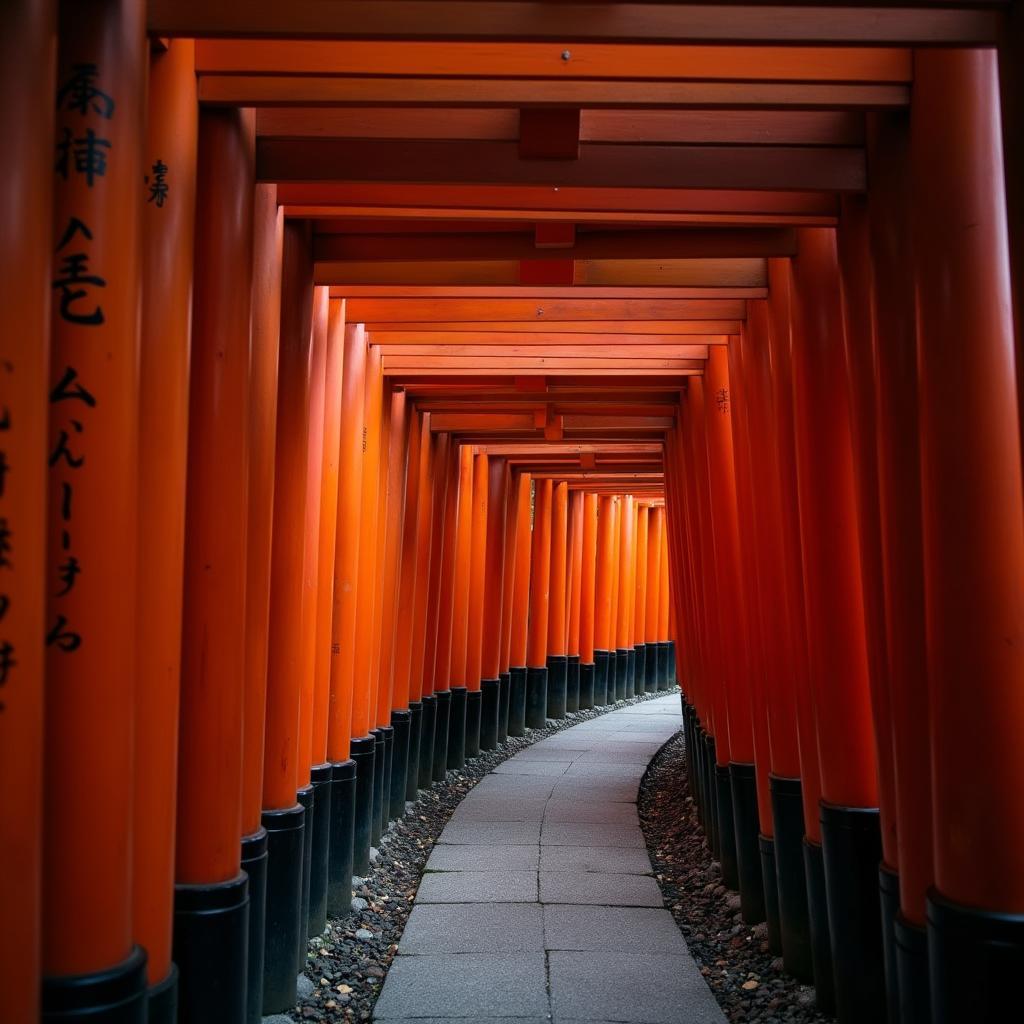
575,584
463,550
588,575
403,671
540,578
559,538
494,578
477,572
521,582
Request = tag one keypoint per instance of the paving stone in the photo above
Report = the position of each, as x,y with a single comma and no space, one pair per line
612,859
478,887
604,789
620,754
591,769
476,928
514,767
599,889
591,812
639,988
627,929
455,986
566,833
448,1020
520,787
539,752
501,833
483,857
484,807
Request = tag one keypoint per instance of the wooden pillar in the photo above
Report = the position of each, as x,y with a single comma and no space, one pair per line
349,767
284,817
520,607
557,662
574,588
28,46
588,581
493,584
211,904
640,596
973,531
475,609
507,589
168,222
540,593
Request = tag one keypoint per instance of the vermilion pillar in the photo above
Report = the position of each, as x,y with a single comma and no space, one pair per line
460,610
430,529
475,610
557,662
520,608
352,764
90,619
837,644
655,527
402,718
905,880
603,641
329,782
588,580
172,129
613,617
28,37
284,816
640,596
211,902
624,595
313,788
508,585
268,238
794,799
574,587
973,533
493,579
540,586
369,791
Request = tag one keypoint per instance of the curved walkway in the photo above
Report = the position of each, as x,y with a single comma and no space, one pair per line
538,903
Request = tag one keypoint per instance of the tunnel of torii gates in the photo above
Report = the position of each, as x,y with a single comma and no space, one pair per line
380,379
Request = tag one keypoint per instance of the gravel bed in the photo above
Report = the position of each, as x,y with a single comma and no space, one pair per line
346,966
746,979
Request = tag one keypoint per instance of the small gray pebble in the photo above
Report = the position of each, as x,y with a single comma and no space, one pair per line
358,903
364,934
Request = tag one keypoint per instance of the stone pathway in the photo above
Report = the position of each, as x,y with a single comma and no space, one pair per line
538,903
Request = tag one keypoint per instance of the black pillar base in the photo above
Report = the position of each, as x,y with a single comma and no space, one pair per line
118,994
162,1000
442,725
474,714
211,949
587,686
490,710
821,942
670,680
517,701
572,684
536,697
601,667
558,667
388,732
663,663
401,724
343,816
794,917
320,776
641,668
306,797
457,729
504,702
631,690
913,986
613,671
428,730
851,840
364,753
711,806
726,829
285,842
748,854
254,864
769,877
377,806
889,905
651,668
621,673
975,958
412,761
